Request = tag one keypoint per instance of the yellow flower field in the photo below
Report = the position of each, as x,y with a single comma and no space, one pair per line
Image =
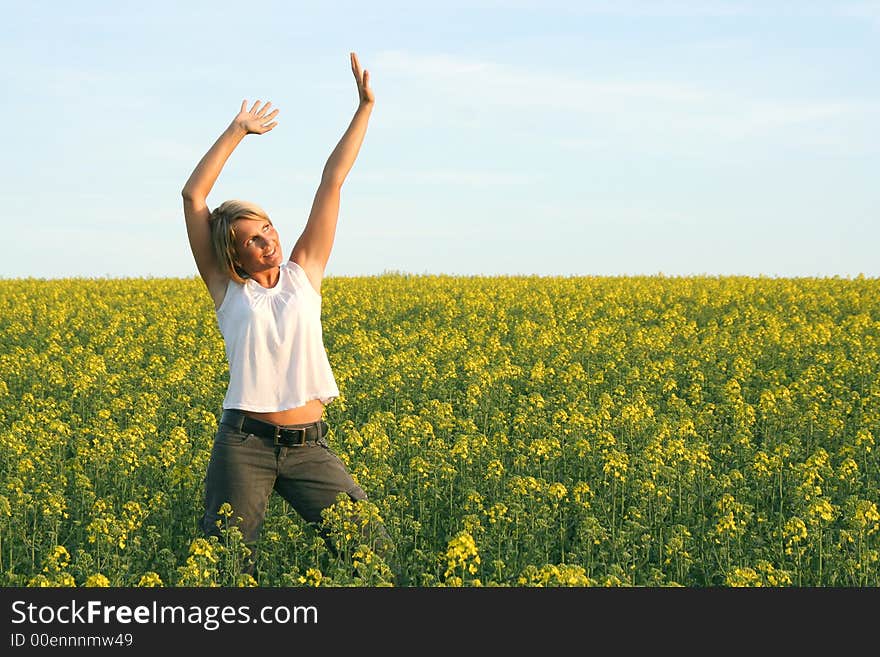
510,431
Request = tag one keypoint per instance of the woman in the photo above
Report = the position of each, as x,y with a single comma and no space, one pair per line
271,435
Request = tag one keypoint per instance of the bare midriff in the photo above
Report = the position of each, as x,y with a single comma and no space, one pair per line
311,412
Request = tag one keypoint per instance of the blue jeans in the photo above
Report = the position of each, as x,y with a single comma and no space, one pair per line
245,468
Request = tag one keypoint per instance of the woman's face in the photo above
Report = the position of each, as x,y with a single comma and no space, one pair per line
256,245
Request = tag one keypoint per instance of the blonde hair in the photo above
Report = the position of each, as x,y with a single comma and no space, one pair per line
223,233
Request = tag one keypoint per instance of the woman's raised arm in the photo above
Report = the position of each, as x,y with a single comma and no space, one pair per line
312,249
201,181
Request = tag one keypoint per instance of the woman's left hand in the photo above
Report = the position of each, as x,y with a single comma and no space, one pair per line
363,82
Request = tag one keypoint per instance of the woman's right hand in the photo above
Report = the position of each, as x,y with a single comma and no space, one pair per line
255,120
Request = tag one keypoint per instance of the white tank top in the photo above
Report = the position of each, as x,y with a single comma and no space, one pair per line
274,344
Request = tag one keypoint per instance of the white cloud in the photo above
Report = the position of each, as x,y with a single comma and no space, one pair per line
483,84
761,115
869,11
704,8
444,177
438,85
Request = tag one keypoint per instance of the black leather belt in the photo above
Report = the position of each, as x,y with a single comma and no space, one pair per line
287,436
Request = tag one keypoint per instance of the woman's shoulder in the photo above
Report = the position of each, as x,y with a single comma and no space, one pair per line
293,267
222,294
300,276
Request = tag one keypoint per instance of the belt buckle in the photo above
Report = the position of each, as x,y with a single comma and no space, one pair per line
279,431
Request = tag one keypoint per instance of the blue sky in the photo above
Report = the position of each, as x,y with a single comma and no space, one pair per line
508,138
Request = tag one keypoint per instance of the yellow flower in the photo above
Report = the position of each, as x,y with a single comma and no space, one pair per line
462,554
97,580
150,578
312,577
821,511
494,470
557,492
